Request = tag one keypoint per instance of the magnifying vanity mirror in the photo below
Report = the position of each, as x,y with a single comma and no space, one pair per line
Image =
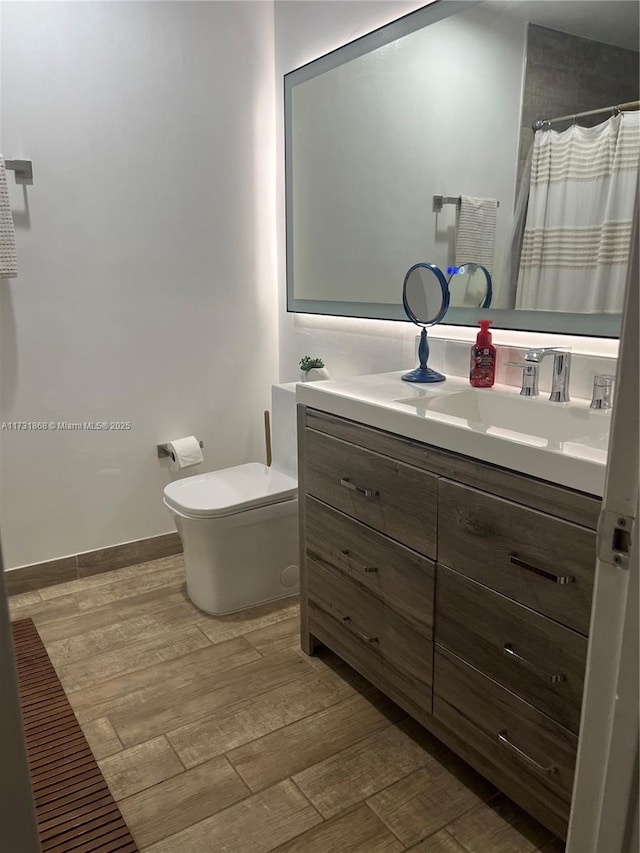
425,297
470,286
390,139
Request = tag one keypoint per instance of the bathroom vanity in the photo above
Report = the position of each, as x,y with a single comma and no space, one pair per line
461,588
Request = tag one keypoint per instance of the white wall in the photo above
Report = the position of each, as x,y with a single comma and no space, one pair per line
146,289
304,31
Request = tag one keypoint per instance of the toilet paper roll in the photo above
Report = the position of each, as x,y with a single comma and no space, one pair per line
185,452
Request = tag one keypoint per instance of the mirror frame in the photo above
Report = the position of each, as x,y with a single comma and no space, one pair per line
593,325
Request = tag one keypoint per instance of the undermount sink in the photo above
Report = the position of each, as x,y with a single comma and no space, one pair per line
533,420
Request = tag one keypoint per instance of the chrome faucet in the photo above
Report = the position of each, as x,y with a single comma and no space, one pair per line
561,370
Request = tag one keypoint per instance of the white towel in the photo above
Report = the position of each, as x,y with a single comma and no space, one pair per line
476,231
8,254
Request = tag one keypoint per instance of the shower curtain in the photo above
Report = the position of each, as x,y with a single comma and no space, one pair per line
577,235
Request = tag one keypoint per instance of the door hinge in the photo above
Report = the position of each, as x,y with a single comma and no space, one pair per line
615,533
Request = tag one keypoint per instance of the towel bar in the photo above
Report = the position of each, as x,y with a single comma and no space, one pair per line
23,170
439,200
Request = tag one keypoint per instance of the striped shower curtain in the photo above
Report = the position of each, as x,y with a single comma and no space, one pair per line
577,235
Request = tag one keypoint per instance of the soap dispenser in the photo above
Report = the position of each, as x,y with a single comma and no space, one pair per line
482,373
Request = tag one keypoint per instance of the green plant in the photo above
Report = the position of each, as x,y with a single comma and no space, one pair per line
308,363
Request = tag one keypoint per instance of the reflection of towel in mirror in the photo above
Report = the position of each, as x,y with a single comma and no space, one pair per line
8,256
476,231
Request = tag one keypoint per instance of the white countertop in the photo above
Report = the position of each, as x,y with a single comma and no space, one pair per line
563,443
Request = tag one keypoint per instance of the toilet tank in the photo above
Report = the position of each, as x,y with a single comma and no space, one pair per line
284,442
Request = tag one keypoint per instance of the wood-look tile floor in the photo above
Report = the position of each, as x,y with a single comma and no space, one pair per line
219,734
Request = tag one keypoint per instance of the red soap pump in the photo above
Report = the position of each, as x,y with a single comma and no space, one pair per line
483,358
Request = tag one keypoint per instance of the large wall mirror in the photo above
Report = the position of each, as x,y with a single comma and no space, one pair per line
392,139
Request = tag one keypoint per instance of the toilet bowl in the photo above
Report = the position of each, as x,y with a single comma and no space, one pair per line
239,526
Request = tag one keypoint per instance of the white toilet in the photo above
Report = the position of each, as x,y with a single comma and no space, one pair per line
239,526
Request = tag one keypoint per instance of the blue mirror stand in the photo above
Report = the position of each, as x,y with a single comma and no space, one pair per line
423,373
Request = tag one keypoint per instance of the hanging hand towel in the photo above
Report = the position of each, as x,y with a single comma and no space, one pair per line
476,231
8,255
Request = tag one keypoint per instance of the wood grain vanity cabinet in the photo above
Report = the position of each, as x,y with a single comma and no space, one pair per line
460,589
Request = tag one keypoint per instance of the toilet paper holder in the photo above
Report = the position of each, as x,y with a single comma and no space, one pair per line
163,450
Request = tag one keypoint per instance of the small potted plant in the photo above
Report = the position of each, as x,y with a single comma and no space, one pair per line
312,369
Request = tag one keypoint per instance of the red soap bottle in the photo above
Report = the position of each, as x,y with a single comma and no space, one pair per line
483,358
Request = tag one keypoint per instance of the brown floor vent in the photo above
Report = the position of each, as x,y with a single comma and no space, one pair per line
75,810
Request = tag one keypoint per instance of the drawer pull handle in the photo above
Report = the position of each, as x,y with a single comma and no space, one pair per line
504,740
366,493
552,679
561,579
367,569
347,621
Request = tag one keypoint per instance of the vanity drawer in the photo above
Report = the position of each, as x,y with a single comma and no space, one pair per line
525,745
392,497
527,555
370,636
402,579
533,656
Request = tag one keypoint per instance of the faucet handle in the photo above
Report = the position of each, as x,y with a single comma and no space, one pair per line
530,371
602,391
536,355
